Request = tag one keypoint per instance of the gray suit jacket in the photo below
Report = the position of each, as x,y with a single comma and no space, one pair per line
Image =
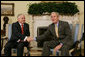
65,35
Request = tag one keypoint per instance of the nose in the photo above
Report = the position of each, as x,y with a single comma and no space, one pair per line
52,18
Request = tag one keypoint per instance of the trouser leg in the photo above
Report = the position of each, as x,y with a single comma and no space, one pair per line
8,47
64,51
20,49
47,46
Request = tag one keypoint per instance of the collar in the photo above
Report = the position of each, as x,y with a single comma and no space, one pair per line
57,24
20,24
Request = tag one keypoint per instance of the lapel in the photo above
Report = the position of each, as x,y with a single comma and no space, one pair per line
20,27
24,27
59,27
53,29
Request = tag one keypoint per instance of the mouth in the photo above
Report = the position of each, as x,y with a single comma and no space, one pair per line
23,20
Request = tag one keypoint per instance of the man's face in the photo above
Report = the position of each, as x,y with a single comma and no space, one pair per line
21,19
54,18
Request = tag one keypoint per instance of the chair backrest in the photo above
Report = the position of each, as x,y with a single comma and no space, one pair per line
9,31
71,26
82,29
76,31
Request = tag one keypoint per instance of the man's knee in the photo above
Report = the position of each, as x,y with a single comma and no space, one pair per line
20,45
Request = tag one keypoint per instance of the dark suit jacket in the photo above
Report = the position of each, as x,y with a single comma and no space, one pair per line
16,32
65,35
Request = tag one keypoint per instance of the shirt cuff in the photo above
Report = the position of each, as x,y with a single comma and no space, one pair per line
25,38
18,40
34,38
61,43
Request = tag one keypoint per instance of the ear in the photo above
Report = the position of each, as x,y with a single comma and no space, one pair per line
18,19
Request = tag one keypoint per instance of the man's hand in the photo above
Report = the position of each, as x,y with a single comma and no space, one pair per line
57,47
18,40
29,39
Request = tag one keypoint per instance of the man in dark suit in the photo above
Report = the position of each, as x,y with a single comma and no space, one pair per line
59,34
20,31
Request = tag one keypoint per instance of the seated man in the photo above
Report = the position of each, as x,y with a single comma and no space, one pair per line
59,33
20,31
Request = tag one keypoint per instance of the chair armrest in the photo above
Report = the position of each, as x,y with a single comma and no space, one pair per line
71,50
2,40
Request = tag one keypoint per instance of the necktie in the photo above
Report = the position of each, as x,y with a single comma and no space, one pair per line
56,29
22,29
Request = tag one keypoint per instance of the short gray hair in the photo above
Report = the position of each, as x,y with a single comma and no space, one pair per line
55,13
19,15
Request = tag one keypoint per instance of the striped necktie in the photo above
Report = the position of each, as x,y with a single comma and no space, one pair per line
56,29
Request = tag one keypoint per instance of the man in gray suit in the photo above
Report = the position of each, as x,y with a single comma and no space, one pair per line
59,34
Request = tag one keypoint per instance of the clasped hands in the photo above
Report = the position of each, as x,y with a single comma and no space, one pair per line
29,39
